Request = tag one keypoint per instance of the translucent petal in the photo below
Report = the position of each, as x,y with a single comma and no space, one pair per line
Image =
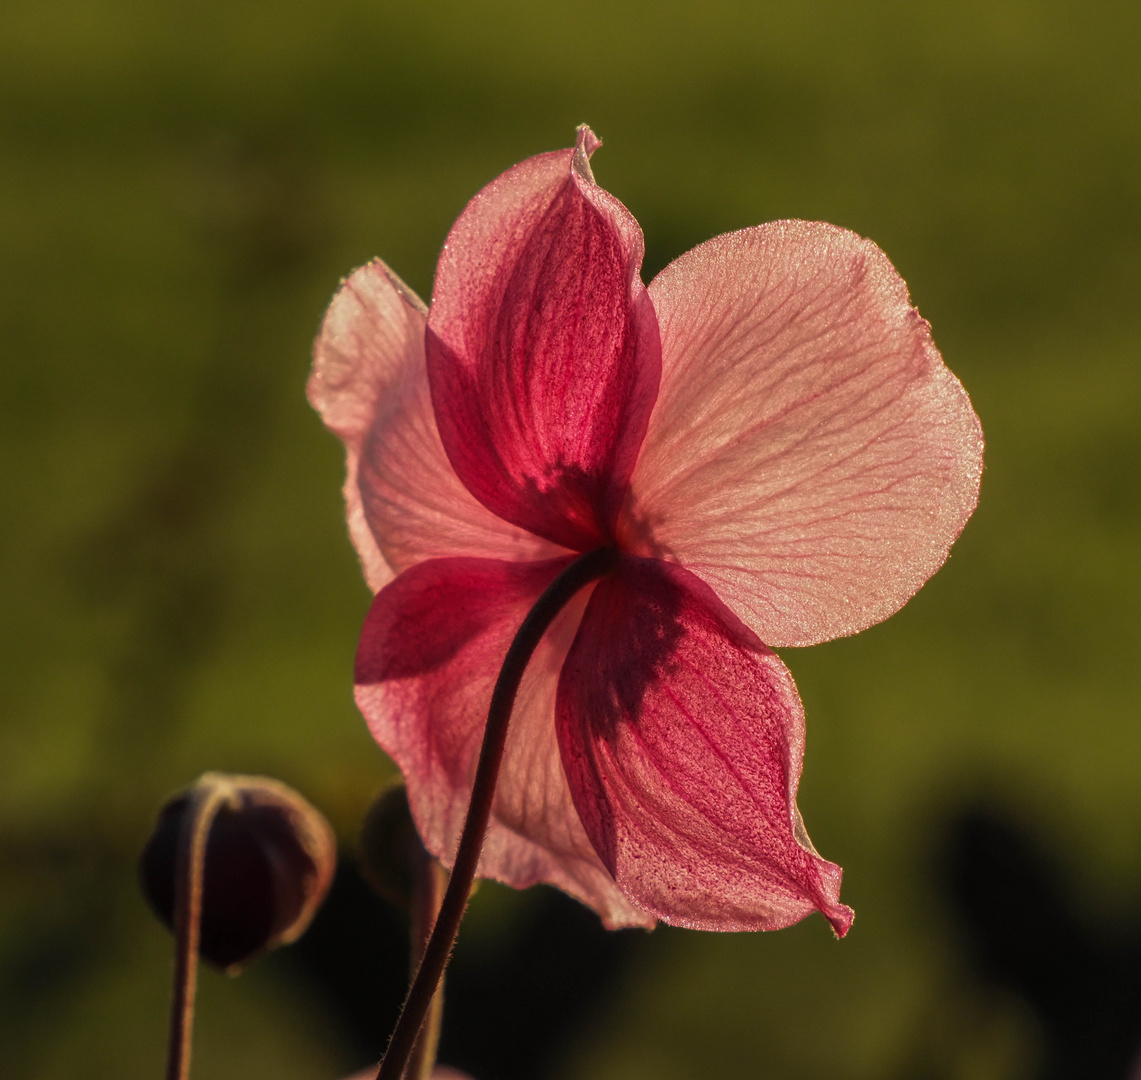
403,500
682,738
810,456
543,350
430,652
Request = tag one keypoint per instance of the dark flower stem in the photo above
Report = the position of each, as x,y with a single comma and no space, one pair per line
429,882
205,801
557,595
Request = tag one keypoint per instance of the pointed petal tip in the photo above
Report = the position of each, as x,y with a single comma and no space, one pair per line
826,897
585,143
586,140
840,916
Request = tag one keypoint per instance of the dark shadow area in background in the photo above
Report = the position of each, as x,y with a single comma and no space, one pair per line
511,1013
1023,931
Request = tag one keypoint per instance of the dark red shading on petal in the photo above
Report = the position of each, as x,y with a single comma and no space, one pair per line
543,350
682,737
429,654
810,456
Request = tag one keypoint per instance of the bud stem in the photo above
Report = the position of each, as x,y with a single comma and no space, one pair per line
557,595
428,884
206,798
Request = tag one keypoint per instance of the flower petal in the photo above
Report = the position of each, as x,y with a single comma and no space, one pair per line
403,500
543,351
810,456
430,652
682,738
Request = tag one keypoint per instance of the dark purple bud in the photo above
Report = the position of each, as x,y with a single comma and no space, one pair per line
269,861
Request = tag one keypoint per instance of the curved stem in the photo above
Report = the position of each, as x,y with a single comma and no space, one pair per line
205,799
580,573
429,881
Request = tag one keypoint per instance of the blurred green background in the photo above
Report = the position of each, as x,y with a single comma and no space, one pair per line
181,188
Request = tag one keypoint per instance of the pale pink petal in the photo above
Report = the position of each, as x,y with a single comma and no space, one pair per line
543,349
430,652
403,500
810,456
682,737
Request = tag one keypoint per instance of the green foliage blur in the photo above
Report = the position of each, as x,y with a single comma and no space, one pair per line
182,186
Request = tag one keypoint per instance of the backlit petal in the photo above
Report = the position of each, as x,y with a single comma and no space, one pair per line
543,349
403,500
682,738
430,651
810,456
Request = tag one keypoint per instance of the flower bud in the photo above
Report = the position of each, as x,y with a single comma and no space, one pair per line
389,849
269,861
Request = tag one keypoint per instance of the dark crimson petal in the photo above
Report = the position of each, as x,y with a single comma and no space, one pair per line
682,737
430,651
543,350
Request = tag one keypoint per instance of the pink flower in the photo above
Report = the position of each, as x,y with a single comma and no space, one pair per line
768,436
